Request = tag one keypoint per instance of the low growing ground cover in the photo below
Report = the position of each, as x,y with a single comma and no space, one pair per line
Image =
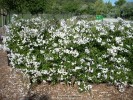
74,51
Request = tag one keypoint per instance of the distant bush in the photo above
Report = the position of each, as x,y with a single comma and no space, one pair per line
62,50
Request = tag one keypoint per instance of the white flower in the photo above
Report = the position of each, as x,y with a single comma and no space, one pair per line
98,28
91,70
89,87
49,78
87,50
6,28
82,61
102,33
104,70
78,67
73,63
113,50
112,27
98,75
62,71
34,30
55,44
105,76
103,43
88,63
38,73
75,36
41,51
118,40
112,78
120,19
121,87
75,53
63,23
57,49
78,82
99,40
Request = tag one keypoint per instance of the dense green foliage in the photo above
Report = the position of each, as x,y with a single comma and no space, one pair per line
127,10
120,2
58,50
93,7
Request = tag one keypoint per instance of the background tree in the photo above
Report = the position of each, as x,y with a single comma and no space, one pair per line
127,9
109,8
70,6
93,7
36,6
120,2
99,7
17,6
89,1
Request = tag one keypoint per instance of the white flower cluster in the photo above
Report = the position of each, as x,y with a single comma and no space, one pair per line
55,51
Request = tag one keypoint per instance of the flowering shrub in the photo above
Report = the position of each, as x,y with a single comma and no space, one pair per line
56,51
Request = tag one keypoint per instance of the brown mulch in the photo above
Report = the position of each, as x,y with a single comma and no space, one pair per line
2,30
13,84
3,58
66,92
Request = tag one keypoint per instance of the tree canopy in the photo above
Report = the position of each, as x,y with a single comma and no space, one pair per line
92,7
120,2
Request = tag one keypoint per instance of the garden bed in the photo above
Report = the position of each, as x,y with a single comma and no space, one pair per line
74,51
45,91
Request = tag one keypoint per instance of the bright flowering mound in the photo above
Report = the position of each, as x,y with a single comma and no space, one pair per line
86,51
